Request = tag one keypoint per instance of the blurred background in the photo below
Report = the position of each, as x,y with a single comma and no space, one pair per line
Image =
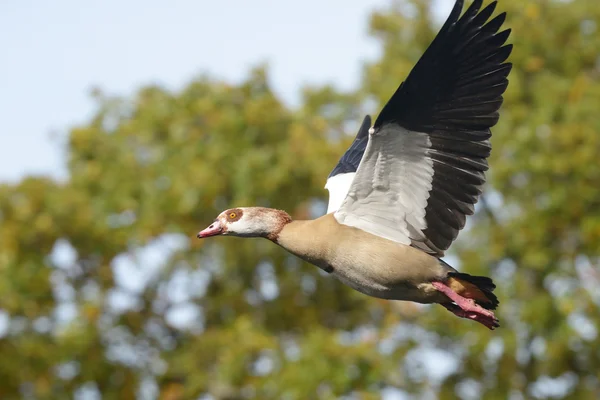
128,126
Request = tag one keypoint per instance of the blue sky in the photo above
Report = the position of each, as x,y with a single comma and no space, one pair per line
53,53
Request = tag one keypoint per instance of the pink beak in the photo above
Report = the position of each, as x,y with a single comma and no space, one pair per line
213,230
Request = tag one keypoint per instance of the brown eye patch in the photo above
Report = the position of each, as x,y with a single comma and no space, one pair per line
234,214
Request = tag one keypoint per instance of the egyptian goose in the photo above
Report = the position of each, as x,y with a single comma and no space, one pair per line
401,193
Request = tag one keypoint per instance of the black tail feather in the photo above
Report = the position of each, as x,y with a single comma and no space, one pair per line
485,284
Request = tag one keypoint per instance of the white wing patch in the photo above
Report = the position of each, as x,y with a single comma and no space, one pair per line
338,187
389,193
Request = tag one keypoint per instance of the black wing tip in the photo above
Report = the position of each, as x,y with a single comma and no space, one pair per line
457,8
475,6
492,5
466,41
363,131
508,32
489,9
498,19
453,17
504,34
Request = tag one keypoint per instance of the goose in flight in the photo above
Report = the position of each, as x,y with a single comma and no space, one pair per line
400,194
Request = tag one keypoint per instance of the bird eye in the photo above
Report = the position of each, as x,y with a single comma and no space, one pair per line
232,215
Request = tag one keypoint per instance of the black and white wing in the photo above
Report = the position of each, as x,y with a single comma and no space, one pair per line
423,168
340,178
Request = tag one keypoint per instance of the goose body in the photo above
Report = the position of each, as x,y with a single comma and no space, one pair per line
401,193
368,263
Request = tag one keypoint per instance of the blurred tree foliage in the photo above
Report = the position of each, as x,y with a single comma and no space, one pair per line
104,289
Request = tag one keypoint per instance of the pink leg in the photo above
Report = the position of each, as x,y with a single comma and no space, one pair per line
466,308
